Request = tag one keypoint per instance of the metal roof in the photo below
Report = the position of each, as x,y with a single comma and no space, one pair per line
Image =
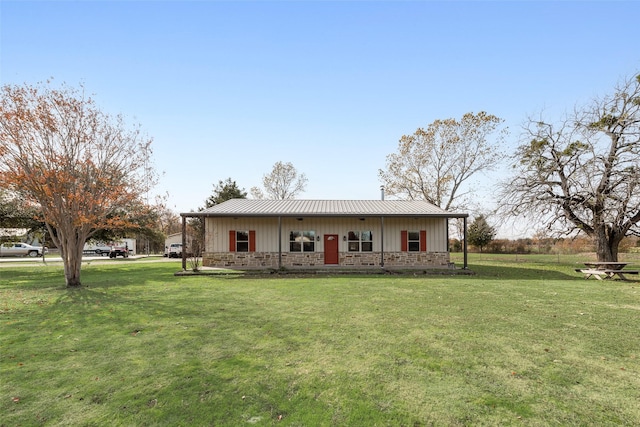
256,207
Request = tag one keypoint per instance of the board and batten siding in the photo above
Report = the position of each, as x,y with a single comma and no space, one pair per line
436,229
217,231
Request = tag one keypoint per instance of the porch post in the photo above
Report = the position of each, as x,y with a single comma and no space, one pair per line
279,242
184,243
464,221
448,247
382,241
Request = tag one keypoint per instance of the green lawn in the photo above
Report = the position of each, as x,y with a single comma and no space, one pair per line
525,341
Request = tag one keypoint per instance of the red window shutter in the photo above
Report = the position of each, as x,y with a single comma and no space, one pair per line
232,240
404,241
423,240
252,240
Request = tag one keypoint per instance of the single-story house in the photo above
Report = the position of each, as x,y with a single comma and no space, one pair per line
274,234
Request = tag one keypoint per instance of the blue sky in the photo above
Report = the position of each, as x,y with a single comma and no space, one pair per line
226,89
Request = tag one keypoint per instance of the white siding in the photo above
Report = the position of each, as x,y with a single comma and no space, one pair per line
217,231
436,229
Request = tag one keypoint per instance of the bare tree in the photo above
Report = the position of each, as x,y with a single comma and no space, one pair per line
194,255
433,164
583,174
84,169
168,221
282,183
257,193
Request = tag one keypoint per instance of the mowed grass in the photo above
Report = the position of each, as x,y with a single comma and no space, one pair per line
525,341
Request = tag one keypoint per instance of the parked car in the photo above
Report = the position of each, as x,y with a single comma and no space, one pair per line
22,249
175,250
117,251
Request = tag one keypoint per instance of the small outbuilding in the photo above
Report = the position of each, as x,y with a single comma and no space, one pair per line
275,234
171,239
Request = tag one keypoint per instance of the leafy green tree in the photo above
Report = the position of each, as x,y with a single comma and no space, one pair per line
225,190
143,224
583,173
480,233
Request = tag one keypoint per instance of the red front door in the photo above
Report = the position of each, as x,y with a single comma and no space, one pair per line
331,249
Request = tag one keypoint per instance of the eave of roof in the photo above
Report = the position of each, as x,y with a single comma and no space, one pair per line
324,208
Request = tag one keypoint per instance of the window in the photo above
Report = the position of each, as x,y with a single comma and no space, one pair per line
413,239
242,241
366,239
360,241
302,241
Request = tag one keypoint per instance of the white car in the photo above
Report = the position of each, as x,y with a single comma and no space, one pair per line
21,249
175,250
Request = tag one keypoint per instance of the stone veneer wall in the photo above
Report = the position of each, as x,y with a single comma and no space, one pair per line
316,259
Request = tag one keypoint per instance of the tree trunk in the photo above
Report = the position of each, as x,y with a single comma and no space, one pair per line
71,242
72,265
607,245
72,258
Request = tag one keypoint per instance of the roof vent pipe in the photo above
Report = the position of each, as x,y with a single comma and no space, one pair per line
382,192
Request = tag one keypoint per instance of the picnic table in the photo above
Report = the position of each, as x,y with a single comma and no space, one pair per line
606,270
